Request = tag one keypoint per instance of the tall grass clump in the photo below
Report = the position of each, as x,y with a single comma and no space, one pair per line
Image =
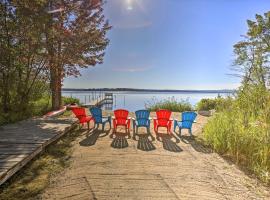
242,131
169,104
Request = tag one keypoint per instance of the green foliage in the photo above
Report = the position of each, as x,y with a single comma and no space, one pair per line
242,131
253,53
169,104
206,104
37,107
218,103
70,100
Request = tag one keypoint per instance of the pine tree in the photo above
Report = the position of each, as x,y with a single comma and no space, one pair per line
75,37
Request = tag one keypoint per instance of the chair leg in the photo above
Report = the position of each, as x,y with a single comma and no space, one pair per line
134,131
168,130
103,127
174,126
180,131
88,125
190,132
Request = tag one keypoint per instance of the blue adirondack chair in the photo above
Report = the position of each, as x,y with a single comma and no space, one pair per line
99,119
188,118
142,120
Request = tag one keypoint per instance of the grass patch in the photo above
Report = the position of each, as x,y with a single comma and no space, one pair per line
169,104
241,131
35,176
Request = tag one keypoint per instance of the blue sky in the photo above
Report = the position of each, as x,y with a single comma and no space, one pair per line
171,44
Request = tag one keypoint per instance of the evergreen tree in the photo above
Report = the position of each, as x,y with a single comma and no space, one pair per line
75,37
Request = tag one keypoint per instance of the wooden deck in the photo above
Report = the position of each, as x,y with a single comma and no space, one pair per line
21,142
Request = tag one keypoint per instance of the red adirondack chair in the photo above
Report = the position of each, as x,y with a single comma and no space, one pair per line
121,119
163,120
81,115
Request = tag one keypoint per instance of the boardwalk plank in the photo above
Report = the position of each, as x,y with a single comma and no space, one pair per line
21,142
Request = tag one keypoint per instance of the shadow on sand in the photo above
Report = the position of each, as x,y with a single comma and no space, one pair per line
168,143
92,137
144,143
120,140
197,146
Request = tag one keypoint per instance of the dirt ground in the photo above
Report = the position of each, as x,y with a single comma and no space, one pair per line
106,166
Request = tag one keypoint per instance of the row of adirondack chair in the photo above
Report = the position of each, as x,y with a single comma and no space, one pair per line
143,119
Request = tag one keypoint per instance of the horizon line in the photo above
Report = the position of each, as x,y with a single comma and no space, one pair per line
143,89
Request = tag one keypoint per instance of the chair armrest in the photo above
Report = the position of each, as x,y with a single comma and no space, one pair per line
150,118
194,121
129,118
133,118
113,117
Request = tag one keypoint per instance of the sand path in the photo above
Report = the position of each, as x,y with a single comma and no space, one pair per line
122,168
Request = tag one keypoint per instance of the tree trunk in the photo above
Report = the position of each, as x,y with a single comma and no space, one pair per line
56,84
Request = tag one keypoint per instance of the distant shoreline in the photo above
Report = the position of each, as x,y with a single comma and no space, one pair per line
143,90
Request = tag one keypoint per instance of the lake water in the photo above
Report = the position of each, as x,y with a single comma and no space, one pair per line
133,101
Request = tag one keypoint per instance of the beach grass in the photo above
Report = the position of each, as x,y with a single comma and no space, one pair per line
242,132
169,104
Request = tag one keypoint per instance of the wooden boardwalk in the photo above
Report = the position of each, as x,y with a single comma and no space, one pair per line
21,142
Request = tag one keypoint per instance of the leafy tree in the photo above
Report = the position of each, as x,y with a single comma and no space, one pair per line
252,54
23,73
43,41
75,38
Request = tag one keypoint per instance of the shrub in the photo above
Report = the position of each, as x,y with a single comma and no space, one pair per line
170,104
242,131
70,100
218,103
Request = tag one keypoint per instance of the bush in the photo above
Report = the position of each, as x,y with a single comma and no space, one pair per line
242,131
169,104
35,108
70,100
218,103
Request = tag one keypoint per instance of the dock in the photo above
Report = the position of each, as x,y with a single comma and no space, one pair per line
104,100
22,141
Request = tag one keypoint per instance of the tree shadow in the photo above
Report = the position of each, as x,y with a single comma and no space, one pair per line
92,137
120,140
144,143
197,146
168,143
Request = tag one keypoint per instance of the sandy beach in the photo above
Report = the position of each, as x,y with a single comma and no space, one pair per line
118,167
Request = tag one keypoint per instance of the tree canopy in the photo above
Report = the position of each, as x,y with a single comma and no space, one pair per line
44,41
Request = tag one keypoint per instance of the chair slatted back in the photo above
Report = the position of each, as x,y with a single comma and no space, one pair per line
79,112
97,114
163,116
188,119
121,116
142,117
